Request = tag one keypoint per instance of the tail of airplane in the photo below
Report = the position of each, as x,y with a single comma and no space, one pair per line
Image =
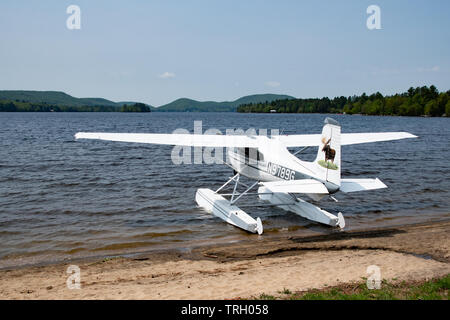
328,160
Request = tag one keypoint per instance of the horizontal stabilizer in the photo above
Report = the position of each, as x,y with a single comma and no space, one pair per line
353,185
297,186
356,138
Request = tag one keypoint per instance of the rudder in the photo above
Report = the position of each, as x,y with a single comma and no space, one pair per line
328,160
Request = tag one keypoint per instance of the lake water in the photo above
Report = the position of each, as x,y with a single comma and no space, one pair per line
61,198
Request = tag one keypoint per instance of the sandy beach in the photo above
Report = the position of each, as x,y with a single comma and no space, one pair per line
245,269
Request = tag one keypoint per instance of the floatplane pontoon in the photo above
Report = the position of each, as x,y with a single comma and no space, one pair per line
279,175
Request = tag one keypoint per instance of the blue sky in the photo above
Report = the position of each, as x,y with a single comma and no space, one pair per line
158,51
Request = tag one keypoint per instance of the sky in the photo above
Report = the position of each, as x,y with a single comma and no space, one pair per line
159,51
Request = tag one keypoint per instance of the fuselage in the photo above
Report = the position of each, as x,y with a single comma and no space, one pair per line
273,162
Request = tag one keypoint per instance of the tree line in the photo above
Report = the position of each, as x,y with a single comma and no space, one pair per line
137,107
23,106
420,101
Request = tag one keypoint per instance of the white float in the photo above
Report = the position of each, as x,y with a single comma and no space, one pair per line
305,209
222,208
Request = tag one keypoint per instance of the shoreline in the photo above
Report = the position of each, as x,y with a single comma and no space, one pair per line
237,112
192,246
413,252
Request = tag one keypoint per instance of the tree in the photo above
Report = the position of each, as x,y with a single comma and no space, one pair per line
433,91
8,107
432,108
137,107
363,97
442,102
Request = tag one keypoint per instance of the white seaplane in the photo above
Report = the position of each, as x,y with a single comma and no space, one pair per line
279,175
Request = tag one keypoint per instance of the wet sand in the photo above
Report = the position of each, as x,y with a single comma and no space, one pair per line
245,269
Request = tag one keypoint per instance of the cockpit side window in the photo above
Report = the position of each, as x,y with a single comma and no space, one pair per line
260,156
247,153
250,154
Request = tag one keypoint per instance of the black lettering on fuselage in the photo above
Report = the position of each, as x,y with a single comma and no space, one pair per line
280,171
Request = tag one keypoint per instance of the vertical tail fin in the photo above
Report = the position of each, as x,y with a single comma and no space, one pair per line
328,161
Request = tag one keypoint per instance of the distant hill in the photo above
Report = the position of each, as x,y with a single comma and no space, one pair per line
189,105
259,98
53,98
57,100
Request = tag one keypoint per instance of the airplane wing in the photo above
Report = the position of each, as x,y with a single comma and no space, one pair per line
312,140
240,141
353,185
194,140
297,186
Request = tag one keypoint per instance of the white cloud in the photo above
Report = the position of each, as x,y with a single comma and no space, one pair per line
432,69
167,75
272,84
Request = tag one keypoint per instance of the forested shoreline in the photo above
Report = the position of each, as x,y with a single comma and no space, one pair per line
420,101
22,106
